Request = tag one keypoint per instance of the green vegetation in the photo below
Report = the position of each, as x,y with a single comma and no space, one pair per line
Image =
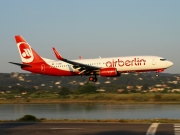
31,118
28,118
129,98
88,93
32,82
87,88
131,88
119,120
98,97
64,91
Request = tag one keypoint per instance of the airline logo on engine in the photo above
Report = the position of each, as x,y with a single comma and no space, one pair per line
25,52
121,63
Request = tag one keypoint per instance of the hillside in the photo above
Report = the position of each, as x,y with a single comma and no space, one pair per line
8,81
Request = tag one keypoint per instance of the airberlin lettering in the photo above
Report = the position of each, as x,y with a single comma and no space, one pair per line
121,63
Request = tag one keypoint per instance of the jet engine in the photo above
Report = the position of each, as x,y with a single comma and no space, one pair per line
109,72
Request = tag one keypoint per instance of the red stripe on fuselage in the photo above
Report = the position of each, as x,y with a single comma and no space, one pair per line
43,68
147,70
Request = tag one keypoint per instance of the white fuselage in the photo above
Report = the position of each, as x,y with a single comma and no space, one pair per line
122,64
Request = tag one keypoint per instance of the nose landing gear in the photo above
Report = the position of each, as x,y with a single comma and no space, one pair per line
157,72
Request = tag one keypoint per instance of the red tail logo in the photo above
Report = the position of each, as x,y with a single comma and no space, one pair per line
25,52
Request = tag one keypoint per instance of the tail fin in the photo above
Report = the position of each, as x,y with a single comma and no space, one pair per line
27,54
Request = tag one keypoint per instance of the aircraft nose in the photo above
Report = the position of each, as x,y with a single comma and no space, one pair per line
170,63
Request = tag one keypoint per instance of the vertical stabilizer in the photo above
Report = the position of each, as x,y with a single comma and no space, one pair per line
27,54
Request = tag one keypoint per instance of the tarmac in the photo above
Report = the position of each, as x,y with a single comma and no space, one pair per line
80,128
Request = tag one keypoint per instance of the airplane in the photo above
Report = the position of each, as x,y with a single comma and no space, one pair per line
105,67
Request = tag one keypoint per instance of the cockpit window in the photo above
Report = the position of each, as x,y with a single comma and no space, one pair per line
162,59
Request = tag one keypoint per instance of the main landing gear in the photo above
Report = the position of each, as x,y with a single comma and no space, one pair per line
157,72
93,79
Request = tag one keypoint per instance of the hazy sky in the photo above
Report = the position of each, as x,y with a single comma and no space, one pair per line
91,28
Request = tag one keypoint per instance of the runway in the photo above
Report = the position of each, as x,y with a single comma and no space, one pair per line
88,129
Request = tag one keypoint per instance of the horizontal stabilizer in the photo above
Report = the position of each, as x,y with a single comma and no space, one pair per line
22,65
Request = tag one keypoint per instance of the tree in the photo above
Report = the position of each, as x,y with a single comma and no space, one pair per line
165,90
64,91
145,87
87,88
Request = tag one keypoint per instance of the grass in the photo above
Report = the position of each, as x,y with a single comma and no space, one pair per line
100,98
119,120
31,118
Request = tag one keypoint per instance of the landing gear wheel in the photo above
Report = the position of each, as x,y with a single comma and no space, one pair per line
93,79
157,75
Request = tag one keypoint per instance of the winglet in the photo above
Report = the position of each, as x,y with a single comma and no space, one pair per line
58,56
80,57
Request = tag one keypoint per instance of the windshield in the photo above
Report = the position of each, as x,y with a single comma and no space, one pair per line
162,59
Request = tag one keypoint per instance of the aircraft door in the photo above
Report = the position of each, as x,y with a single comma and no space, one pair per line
153,61
42,68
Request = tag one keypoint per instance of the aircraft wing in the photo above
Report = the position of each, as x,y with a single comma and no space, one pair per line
83,68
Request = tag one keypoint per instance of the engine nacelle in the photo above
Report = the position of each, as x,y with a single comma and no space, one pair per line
109,72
